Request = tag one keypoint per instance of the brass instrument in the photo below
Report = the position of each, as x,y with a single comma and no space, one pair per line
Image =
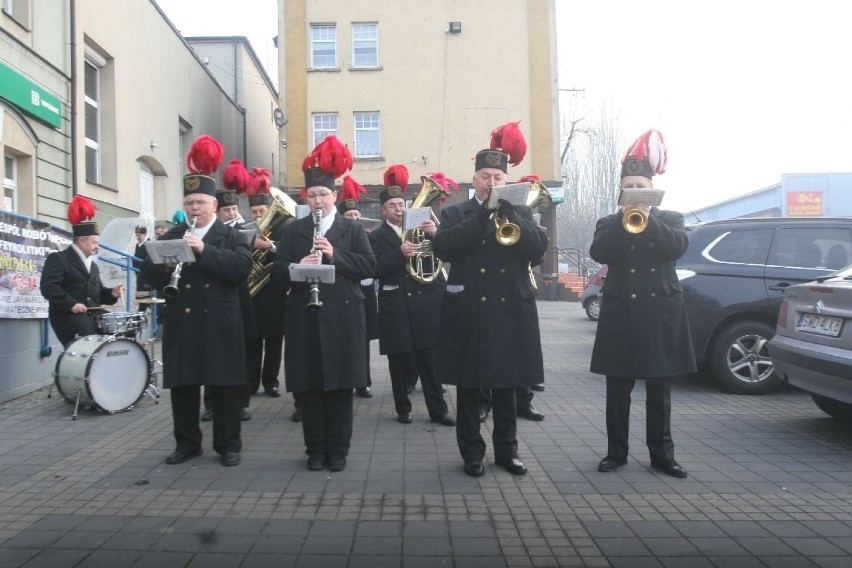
634,221
280,209
314,303
171,290
538,197
424,266
506,233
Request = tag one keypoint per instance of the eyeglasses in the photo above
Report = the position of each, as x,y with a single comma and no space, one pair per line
322,195
193,202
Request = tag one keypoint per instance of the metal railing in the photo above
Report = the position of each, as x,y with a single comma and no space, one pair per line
577,261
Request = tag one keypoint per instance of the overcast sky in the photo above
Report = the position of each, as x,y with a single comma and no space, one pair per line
742,90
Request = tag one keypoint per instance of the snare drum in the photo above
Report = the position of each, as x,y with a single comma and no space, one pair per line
110,372
124,324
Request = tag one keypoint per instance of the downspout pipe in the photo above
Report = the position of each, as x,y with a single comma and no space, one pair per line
73,21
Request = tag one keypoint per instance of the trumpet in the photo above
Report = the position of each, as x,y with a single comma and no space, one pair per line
171,290
634,221
314,303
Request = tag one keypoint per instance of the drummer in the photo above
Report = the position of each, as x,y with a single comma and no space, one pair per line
71,282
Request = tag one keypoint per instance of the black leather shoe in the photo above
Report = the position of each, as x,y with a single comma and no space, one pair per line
443,419
483,414
474,468
513,466
179,456
336,463
245,414
405,418
207,415
611,464
364,392
531,413
231,459
674,469
273,392
316,462
297,415
538,388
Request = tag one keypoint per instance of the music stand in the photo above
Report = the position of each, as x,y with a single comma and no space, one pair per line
312,273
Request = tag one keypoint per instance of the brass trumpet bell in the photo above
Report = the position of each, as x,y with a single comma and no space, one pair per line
424,267
634,221
507,233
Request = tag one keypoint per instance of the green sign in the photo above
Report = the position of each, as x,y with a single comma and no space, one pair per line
29,97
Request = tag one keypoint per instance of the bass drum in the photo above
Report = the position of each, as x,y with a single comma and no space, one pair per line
109,372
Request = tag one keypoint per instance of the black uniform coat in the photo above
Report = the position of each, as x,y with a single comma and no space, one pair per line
334,334
140,252
643,330
269,302
371,308
65,282
489,334
202,327
409,312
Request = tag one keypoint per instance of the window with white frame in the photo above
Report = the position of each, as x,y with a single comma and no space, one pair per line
10,184
323,46
367,138
325,123
18,10
365,45
92,122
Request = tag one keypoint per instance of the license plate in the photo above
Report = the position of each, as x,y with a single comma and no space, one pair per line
819,324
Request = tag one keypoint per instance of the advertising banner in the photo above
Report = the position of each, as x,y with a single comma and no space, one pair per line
804,204
24,244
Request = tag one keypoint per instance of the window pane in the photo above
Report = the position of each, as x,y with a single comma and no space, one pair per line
91,82
91,122
367,139
365,45
92,165
324,124
323,46
743,247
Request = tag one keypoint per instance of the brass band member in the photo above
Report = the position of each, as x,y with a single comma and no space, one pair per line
643,332
489,321
324,356
203,331
409,310
71,282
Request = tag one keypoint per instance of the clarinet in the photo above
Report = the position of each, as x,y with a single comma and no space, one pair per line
171,290
315,303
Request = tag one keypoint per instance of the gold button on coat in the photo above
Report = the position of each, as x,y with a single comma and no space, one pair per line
482,299
187,310
632,296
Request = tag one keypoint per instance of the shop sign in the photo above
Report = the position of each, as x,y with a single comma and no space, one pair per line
29,97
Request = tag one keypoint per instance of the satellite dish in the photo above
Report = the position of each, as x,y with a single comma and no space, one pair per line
278,117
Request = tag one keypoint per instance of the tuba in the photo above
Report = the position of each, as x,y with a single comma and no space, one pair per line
539,196
424,267
280,209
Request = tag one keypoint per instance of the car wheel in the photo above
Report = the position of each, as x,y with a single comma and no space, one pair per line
740,360
593,308
834,408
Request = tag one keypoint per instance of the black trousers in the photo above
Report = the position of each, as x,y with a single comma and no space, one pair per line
658,410
505,433
326,421
225,402
263,362
523,399
399,365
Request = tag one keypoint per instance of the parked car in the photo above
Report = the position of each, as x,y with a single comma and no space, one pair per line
592,293
812,347
733,277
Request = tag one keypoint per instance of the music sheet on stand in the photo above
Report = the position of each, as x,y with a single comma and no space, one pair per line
173,250
514,193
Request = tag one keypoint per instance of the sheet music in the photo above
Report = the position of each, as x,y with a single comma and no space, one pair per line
653,197
311,273
413,218
514,193
173,251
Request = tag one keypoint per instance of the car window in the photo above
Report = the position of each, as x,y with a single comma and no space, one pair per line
741,247
815,247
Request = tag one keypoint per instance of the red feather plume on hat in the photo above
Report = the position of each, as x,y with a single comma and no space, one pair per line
261,181
331,156
649,146
510,139
351,189
80,209
397,175
531,177
303,195
445,182
236,178
205,155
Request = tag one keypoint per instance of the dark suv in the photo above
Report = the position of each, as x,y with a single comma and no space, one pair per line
734,275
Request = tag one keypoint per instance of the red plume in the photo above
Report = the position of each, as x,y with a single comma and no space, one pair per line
510,140
650,146
331,156
80,209
351,189
531,177
396,174
303,195
205,156
236,178
445,182
260,181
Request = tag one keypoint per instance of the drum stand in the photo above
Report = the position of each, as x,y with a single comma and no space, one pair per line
152,390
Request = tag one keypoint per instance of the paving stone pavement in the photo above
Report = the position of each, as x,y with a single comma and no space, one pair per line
770,484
